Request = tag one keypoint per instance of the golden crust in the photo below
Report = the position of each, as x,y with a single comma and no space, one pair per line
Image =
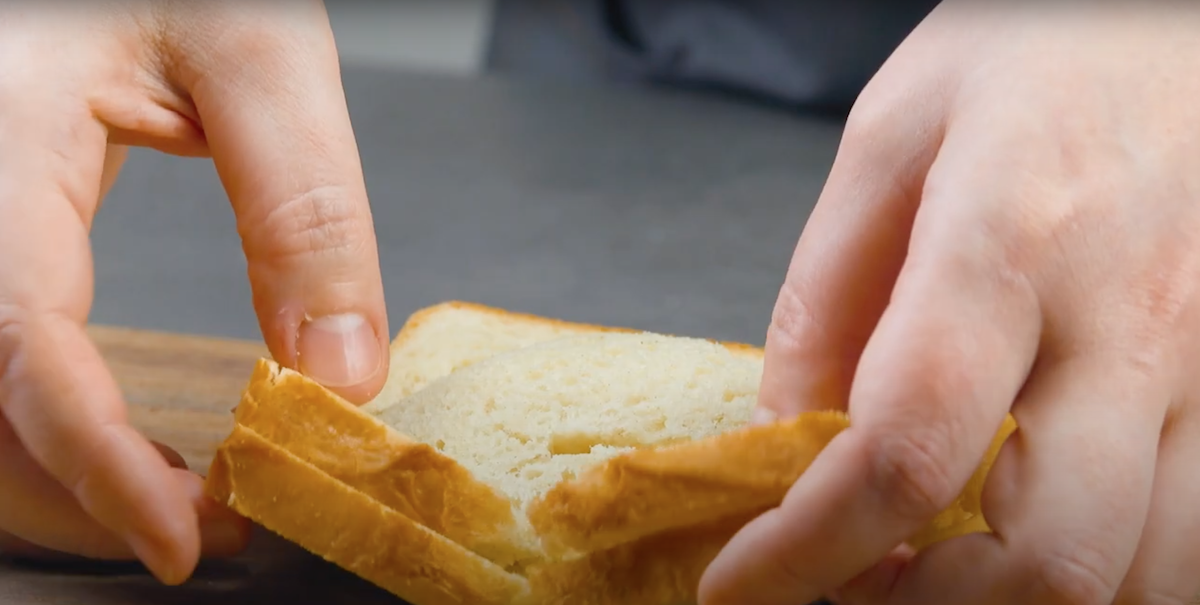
643,520
294,499
351,446
421,316
647,491
663,569
650,490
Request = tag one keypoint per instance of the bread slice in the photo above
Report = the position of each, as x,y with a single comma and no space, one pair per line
345,526
440,339
356,449
601,465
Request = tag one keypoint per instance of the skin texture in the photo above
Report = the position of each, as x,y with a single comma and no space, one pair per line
256,87
1011,224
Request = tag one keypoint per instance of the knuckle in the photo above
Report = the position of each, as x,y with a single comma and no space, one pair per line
874,150
792,320
866,120
872,132
229,34
1145,362
910,470
251,38
242,43
267,47
914,454
321,221
1075,576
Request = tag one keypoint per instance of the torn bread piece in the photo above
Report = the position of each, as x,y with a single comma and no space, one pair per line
646,491
325,516
567,456
296,501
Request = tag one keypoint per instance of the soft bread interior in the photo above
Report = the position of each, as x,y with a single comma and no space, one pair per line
525,420
440,339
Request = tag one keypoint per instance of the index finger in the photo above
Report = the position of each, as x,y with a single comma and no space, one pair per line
267,88
63,406
932,388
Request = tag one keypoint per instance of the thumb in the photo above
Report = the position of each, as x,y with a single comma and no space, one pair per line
284,148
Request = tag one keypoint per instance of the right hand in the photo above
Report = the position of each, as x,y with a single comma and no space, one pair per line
256,87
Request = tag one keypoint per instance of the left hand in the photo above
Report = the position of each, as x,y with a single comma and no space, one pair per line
256,87
1012,224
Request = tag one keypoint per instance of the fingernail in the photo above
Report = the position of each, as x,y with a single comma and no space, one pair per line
761,416
338,350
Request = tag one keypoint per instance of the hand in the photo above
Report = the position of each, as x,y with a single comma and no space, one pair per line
257,87
1012,223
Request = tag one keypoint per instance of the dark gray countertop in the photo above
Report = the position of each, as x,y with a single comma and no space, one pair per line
651,209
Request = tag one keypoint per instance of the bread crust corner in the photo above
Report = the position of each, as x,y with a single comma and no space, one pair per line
295,500
410,477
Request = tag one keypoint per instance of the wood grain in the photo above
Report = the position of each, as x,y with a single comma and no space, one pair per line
181,390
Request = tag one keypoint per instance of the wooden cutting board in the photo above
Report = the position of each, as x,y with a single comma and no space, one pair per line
181,391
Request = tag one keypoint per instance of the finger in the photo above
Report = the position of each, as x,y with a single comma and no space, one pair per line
1166,567
281,138
223,533
73,425
932,388
53,526
12,547
874,585
1067,498
848,256
55,392
87,535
